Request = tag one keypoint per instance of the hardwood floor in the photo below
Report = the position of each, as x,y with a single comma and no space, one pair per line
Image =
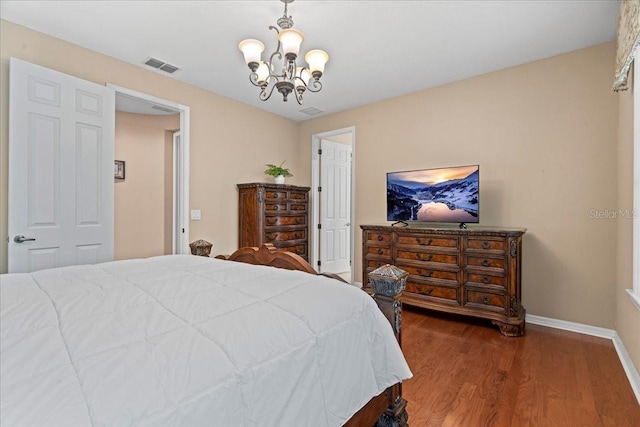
466,373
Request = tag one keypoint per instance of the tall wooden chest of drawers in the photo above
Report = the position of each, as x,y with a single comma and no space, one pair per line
274,213
474,271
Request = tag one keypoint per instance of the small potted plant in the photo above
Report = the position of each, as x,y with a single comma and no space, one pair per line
278,172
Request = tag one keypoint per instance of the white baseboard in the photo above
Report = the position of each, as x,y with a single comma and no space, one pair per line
627,365
625,359
571,326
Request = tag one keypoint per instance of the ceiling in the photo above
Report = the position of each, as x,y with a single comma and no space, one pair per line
377,49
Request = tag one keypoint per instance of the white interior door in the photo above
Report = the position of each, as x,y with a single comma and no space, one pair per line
61,169
335,207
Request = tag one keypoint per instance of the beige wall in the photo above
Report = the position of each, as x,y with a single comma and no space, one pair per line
627,320
230,141
544,135
140,200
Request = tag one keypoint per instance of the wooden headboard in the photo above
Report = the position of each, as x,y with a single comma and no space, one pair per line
269,255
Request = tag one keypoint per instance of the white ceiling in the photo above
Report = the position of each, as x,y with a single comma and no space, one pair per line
377,49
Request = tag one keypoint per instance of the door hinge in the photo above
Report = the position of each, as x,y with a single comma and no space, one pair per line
183,230
319,226
320,151
319,189
319,263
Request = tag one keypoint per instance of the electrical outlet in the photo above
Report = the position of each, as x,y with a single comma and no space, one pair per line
195,214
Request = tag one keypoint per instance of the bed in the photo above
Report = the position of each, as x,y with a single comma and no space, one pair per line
184,340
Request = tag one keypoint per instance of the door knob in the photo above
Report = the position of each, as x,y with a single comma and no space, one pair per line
20,239
348,224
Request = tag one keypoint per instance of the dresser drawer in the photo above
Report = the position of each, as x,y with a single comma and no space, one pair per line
297,248
372,264
485,300
486,244
297,207
275,221
490,278
379,251
484,261
426,256
275,207
298,195
276,236
433,292
285,207
378,237
271,195
422,273
425,240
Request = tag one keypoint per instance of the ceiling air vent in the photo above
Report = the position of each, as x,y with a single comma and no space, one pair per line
160,65
312,111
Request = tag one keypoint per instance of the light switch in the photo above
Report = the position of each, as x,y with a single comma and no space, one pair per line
195,214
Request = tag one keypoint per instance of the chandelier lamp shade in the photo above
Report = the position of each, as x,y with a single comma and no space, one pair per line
281,71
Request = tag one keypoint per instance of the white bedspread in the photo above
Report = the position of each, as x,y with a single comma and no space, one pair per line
189,341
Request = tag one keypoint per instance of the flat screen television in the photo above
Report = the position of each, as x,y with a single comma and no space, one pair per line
448,195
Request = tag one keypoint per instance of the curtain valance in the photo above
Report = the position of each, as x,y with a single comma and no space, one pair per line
628,41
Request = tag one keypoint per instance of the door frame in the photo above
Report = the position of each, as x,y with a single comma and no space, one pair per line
315,196
176,179
181,247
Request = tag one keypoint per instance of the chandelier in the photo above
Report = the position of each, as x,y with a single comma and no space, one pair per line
291,78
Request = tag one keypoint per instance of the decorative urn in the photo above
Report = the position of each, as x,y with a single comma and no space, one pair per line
200,247
388,280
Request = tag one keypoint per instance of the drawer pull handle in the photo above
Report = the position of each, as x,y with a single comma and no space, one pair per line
485,299
427,292
299,221
425,275
275,195
380,251
276,207
380,238
485,245
272,236
425,244
485,280
272,221
485,263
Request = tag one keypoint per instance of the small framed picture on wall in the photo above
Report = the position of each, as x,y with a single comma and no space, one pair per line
118,169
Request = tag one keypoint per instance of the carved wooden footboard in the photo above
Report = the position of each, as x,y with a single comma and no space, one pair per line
386,409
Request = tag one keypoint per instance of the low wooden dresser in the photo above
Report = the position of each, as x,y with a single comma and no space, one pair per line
473,271
274,213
